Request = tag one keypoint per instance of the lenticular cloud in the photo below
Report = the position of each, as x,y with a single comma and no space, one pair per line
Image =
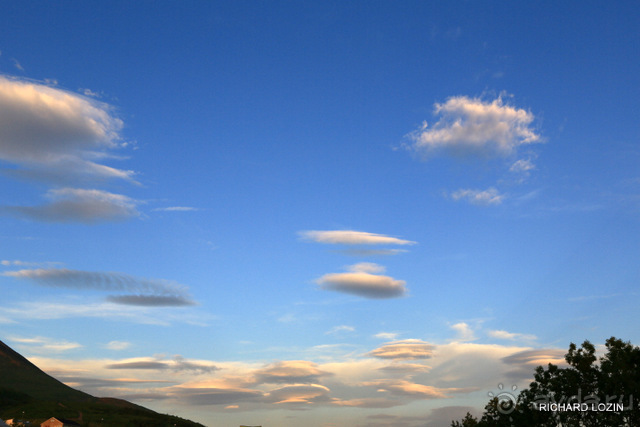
51,131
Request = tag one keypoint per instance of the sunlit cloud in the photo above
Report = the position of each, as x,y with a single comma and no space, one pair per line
407,388
47,130
539,357
389,376
299,394
361,280
465,333
79,205
351,237
475,127
290,372
409,349
490,196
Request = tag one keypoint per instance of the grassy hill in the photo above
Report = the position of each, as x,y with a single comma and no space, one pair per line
27,392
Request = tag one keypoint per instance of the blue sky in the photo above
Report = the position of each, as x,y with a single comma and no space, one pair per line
375,212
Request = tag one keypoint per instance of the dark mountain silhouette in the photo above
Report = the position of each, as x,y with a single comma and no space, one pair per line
26,392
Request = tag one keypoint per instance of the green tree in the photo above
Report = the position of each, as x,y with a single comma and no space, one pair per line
586,381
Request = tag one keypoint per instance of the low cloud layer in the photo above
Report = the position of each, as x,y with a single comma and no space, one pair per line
472,126
147,292
391,375
79,205
363,281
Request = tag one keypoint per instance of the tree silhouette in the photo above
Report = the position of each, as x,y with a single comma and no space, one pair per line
586,393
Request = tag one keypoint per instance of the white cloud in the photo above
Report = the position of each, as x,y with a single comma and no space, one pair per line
471,126
351,237
465,333
55,133
359,281
117,345
386,335
490,196
511,336
79,205
522,166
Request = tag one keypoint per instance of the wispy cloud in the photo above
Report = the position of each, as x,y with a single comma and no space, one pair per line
472,126
147,292
408,389
387,335
511,336
19,263
361,280
151,300
339,329
351,237
176,209
117,345
490,196
79,205
45,345
364,252
35,309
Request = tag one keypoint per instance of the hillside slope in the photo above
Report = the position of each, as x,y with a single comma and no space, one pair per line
26,392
